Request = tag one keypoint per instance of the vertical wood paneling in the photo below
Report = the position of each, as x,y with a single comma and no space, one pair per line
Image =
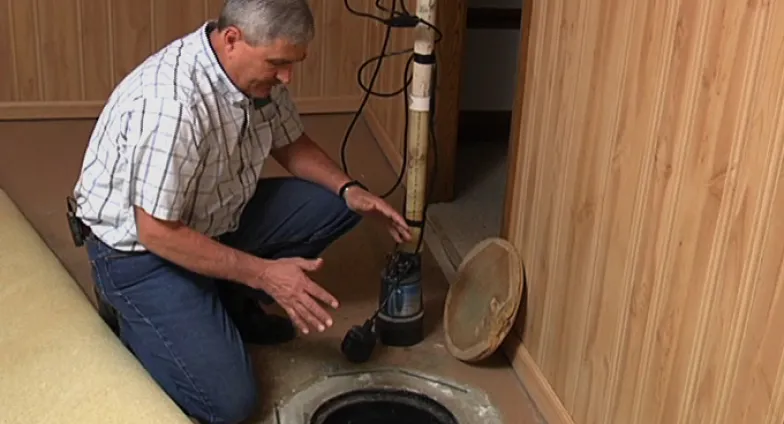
8,80
132,34
346,35
61,66
25,39
212,8
62,58
173,19
309,79
646,202
96,42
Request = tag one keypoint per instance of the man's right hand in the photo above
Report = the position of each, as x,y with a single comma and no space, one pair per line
286,281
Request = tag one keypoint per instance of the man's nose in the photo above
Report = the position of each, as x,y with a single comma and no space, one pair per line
284,75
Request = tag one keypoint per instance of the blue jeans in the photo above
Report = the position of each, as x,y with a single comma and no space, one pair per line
174,321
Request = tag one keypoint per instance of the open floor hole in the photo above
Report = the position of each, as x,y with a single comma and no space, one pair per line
381,406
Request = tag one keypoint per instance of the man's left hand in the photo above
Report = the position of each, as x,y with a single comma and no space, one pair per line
368,204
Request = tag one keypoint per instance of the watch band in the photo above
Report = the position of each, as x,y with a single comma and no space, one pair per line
348,185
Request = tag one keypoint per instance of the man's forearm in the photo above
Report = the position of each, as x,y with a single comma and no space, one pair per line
196,252
305,159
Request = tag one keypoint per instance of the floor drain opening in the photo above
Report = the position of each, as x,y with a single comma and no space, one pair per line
382,406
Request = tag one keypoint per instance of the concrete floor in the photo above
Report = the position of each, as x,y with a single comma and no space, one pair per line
39,162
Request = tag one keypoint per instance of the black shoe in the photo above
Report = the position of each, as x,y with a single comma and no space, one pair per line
258,327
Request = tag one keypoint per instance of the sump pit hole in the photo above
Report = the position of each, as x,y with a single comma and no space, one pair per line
382,406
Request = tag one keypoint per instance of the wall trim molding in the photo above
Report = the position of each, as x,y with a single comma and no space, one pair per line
544,397
21,111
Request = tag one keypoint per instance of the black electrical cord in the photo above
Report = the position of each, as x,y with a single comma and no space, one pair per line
402,6
368,91
396,19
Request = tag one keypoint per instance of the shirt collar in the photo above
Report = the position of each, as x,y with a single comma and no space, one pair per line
226,85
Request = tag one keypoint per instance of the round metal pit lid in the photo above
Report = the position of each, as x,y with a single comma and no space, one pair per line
482,303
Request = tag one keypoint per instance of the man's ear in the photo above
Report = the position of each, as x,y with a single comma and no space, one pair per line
231,36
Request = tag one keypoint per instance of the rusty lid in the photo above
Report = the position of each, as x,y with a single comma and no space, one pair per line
482,303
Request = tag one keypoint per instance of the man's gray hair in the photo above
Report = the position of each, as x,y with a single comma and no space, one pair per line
264,21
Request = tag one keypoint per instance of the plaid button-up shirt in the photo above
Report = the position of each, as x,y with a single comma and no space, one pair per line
178,139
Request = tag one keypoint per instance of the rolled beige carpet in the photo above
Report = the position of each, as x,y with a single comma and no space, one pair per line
59,362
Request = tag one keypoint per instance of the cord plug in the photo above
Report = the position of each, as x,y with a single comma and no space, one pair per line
403,21
359,342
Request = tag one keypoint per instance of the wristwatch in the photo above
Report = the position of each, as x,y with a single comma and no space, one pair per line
346,186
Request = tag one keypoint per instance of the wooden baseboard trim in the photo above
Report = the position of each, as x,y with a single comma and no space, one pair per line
550,406
320,105
22,111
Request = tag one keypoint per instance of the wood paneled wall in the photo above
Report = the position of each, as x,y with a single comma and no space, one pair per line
61,58
648,204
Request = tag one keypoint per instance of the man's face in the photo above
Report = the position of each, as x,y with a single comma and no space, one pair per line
256,69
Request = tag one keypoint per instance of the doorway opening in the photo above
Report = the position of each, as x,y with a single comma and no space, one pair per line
487,94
